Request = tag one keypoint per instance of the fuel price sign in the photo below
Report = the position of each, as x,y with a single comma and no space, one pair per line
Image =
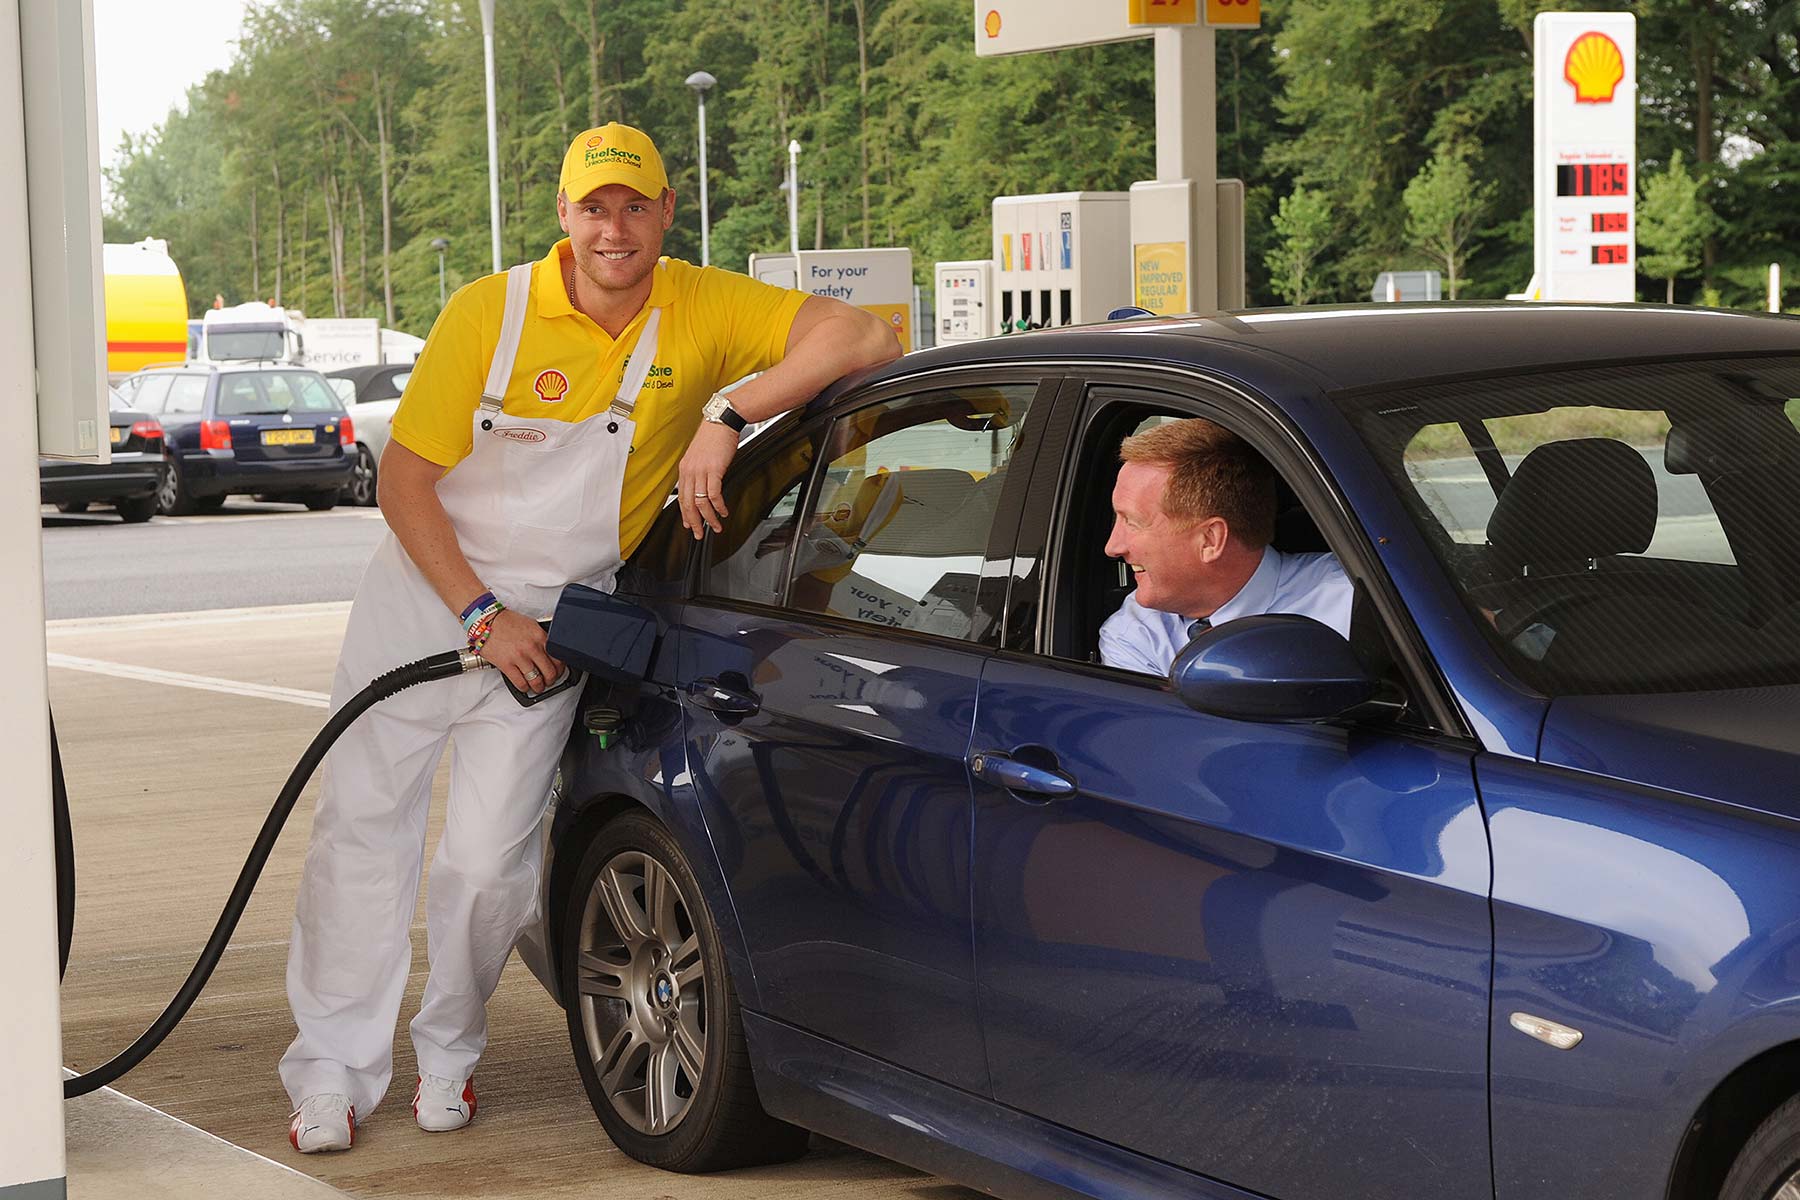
1585,107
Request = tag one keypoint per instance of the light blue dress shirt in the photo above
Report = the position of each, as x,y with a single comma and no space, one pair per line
1312,585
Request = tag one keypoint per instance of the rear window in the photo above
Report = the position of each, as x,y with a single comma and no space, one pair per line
1621,530
269,392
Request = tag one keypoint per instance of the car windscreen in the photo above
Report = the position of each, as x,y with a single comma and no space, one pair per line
244,345
1612,530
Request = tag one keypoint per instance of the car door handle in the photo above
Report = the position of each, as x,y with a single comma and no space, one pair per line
715,697
1016,776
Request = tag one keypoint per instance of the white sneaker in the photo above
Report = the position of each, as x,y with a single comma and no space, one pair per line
441,1105
323,1122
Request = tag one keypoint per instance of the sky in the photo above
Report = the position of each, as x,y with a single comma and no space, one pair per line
147,53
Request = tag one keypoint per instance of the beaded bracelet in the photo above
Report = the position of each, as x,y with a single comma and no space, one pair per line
483,627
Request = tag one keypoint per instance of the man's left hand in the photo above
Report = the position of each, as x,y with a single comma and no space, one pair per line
700,478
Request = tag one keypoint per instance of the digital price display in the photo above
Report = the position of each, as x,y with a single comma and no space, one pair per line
1610,223
1594,179
1612,253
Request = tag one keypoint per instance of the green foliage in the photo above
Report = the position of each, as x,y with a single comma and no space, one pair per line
1444,205
1672,223
1303,227
269,182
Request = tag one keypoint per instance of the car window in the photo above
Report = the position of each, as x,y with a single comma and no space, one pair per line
899,524
345,389
239,397
149,393
297,391
1627,529
748,560
399,381
187,394
1451,481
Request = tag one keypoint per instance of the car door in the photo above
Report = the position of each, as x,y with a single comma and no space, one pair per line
828,668
1260,952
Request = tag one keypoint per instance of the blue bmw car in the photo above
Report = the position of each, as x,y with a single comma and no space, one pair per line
1497,897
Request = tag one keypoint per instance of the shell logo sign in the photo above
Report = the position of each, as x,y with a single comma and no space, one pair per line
1596,67
550,386
991,26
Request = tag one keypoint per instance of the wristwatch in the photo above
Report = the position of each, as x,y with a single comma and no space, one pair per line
718,411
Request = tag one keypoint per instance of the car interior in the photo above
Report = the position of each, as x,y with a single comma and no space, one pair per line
1568,576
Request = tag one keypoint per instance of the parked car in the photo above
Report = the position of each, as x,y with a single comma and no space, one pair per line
128,483
1500,897
274,431
371,394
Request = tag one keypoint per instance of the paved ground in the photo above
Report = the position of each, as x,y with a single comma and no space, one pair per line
170,780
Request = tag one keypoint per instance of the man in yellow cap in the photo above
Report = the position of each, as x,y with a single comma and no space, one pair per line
552,409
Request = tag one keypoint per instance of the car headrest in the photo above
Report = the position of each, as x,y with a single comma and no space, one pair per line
1578,499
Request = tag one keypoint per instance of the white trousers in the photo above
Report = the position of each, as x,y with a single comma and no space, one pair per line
351,950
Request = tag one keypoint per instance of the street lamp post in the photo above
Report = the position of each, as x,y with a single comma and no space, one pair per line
440,244
793,192
487,43
701,82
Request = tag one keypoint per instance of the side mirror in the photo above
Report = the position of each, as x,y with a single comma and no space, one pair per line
1279,667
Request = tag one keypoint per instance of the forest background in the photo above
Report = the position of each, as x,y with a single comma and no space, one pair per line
347,135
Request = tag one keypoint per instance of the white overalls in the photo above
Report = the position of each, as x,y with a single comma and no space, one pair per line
535,506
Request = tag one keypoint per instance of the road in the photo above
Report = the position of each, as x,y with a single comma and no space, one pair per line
246,555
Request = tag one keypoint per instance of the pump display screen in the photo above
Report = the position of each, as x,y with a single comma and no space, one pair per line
1594,179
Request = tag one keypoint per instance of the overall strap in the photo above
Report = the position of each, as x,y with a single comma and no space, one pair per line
637,367
512,324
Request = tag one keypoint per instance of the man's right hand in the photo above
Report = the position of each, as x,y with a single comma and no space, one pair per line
517,646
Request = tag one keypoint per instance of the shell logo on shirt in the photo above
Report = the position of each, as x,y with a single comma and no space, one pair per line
551,385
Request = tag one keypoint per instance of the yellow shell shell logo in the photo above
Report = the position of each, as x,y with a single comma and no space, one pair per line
992,24
1595,66
551,386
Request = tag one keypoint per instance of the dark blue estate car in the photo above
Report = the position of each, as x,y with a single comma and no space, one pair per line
128,482
1499,898
275,431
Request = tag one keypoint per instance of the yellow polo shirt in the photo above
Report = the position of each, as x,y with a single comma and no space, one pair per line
717,327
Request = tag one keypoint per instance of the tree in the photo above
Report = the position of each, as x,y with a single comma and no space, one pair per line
1303,227
1444,205
1672,224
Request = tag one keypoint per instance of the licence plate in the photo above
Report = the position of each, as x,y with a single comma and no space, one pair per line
287,437
118,434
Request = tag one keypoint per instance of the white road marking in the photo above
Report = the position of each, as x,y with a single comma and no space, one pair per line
133,622
206,683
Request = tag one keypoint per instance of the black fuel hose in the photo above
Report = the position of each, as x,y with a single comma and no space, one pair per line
438,666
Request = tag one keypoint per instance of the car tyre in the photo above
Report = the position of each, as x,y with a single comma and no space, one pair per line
136,510
172,495
320,501
360,491
653,1018
1769,1164
72,506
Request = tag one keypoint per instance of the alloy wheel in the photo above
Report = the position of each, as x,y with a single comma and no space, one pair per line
361,489
642,989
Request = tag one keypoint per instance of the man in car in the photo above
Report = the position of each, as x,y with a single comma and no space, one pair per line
550,412
1193,514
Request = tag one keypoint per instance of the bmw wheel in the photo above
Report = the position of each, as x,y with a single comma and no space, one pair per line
1768,1167
653,1018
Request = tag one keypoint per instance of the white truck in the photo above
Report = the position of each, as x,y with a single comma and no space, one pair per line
251,332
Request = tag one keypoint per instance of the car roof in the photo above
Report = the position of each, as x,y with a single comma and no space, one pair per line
1353,347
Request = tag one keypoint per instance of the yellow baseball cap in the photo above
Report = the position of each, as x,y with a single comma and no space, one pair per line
612,153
